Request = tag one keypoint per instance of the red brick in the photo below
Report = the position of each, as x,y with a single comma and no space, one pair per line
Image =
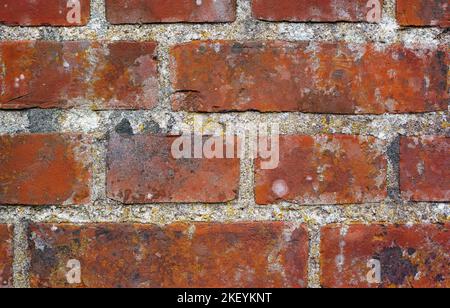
330,169
142,169
42,13
169,11
44,169
423,13
340,78
6,256
254,254
410,256
114,75
425,168
313,10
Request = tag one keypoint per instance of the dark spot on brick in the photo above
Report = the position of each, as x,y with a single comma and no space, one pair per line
338,74
439,278
237,48
394,268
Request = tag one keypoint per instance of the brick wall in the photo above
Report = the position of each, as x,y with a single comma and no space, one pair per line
91,93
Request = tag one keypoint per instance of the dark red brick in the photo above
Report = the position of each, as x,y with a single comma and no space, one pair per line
316,11
43,13
410,256
330,169
170,11
44,169
425,168
339,78
142,169
254,254
423,13
101,75
6,256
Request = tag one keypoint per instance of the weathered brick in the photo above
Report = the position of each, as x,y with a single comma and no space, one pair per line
425,168
38,169
317,11
6,256
254,254
423,13
101,75
44,12
169,11
340,78
142,169
329,169
409,256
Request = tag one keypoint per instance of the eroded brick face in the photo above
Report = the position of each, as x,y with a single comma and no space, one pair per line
423,13
44,169
409,256
313,10
142,169
256,254
44,12
99,75
6,256
339,78
167,11
328,169
425,168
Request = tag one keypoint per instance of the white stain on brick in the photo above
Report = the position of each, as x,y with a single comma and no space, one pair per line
280,188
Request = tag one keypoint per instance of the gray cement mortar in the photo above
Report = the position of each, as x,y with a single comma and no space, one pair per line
163,120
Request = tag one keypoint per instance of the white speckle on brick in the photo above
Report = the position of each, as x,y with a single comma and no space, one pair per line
280,188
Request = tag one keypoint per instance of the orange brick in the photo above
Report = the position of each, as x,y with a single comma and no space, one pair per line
44,169
169,11
329,169
423,13
425,168
313,10
254,254
337,78
43,13
409,256
6,256
141,169
99,75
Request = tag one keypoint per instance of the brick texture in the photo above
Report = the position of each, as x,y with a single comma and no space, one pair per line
410,256
340,78
355,192
179,255
425,168
44,12
333,169
142,169
313,10
169,11
6,256
38,169
44,74
423,13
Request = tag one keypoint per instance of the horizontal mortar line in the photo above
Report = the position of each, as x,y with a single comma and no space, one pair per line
228,31
146,212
